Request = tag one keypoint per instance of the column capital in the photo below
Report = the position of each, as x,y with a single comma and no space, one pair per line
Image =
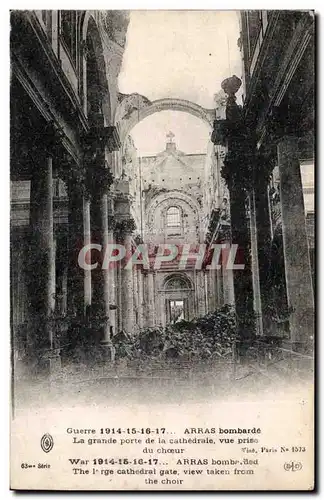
50,137
264,164
138,239
288,144
213,222
280,125
219,133
238,168
225,233
98,177
101,137
71,173
112,222
235,133
126,226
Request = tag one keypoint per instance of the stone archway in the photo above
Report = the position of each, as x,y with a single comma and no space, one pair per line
178,295
133,108
155,229
93,45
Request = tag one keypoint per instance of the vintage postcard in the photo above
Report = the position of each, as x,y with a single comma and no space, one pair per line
162,250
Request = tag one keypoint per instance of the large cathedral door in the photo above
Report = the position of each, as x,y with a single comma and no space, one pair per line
177,310
179,301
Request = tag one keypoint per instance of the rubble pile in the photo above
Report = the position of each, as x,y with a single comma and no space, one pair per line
210,336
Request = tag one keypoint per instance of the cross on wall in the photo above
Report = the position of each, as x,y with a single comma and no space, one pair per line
170,136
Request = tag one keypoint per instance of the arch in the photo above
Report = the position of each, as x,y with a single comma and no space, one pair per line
178,292
179,278
90,29
134,108
174,196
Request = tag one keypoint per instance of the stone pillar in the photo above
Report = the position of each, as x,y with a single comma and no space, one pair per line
206,289
105,272
255,265
228,286
242,278
119,297
127,295
212,293
146,307
226,275
200,291
263,227
42,260
237,172
135,297
87,241
140,299
98,144
112,278
297,263
75,276
85,52
100,277
150,295
219,288
155,305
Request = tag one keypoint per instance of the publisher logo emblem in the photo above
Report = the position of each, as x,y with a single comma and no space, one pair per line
47,443
293,466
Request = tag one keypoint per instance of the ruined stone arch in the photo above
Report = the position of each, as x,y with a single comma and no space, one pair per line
156,228
134,108
178,278
90,29
173,197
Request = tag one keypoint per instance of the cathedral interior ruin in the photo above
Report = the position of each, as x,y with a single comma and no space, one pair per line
78,180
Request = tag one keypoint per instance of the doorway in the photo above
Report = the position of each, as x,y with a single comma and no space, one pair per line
176,310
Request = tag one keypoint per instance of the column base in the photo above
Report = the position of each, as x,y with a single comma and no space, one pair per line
108,351
54,365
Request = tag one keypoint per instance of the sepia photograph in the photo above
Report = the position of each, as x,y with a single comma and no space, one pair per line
162,249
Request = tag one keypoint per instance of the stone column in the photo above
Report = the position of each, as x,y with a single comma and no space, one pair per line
42,259
87,241
105,272
140,298
61,272
219,288
98,144
127,288
297,263
200,290
146,308
227,278
100,277
263,227
242,278
228,286
135,297
75,277
210,294
112,272
155,304
207,309
150,292
255,265
119,297
212,299
237,172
